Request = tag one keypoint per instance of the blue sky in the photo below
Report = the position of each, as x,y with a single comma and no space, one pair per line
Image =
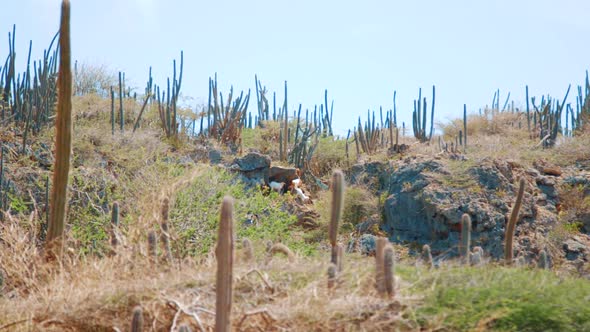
361,51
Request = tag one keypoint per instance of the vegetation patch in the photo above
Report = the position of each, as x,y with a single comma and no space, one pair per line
259,216
504,299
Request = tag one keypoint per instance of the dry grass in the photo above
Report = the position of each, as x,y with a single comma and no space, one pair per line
82,294
505,135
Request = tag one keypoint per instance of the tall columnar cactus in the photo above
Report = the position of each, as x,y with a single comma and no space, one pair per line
63,137
465,238
427,256
510,227
379,267
388,269
528,111
336,214
225,257
543,262
284,134
112,111
137,320
121,113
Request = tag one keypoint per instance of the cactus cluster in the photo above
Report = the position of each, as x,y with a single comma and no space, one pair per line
28,100
225,118
168,100
419,117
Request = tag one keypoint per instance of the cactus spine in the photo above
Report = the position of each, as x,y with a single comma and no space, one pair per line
225,255
388,267
336,214
63,126
465,238
510,227
137,320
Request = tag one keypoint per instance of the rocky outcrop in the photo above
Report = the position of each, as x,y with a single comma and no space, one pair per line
426,200
253,168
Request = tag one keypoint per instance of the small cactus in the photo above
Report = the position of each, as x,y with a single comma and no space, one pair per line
465,238
388,266
184,328
152,246
225,257
248,250
336,214
164,211
137,320
427,256
521,261
114,224
165,238
332,275
380,268
165,235
543,262
283,249
510,227
115,214
476,256
339,256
